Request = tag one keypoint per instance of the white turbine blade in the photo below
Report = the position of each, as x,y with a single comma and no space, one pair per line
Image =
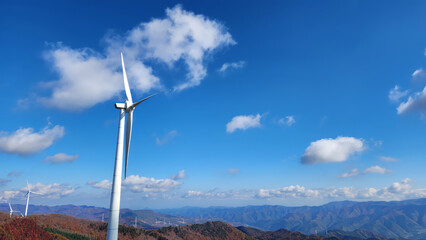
126,83
10,208
137,103
28,185
128,137
37,193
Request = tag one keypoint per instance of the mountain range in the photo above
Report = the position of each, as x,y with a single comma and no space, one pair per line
395,219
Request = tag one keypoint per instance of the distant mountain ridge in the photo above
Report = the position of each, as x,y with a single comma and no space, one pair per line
396,219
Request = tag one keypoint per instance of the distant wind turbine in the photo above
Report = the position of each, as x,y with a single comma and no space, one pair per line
28,198
11,211
127,107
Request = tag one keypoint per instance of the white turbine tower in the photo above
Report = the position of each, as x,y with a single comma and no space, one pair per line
11,211
127,107
28,198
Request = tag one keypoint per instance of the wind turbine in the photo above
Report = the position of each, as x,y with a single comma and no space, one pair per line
11,211
127,107
28,198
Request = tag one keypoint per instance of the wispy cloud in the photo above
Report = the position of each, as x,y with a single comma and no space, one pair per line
169,136
288,120
232,65
233,171
243,122
330,150
353,173
388,159
180,175
87,77
60,158
373,169
4,182
25,141
14,173
395,94
418,75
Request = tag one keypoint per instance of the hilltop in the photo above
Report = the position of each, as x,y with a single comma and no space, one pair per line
62,227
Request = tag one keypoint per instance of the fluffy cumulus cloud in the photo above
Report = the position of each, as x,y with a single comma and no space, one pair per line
243,122
373,169
104,184
55,190
414,103
60,158
169,136
395,94
138,184
396,191
25,141
87,77
288,192
51,191
145,184
232,65
332,150
180,175
288,120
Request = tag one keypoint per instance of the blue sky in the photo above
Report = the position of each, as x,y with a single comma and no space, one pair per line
283,102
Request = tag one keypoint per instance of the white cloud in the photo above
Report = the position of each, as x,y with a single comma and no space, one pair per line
51,191
232,65
144,184
169,136
243,122
6,195
388,159
373,169
332,150
180,175
217,195
87,77
418,75
25,141
233,171
104,184
288,120
416,102
55,190
395,94
288,192
377,169
396,191
60,158
353,173
138,184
